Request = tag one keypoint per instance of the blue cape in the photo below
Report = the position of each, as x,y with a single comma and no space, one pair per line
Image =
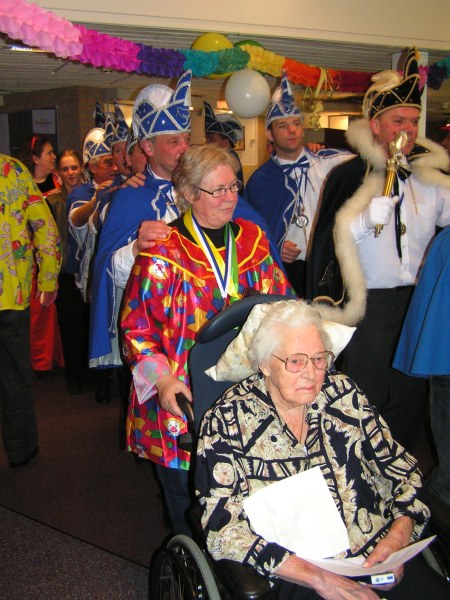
269,193
83,192
270,178
128,208
423,347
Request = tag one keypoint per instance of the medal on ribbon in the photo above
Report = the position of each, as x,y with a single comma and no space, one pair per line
225,271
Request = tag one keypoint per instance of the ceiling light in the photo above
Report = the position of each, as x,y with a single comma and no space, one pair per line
20,48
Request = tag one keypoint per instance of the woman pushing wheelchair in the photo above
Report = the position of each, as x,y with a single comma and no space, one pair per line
211,257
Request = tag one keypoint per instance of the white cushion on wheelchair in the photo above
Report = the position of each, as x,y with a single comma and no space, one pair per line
235,363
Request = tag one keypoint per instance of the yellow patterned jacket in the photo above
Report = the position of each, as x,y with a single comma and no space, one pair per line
28,234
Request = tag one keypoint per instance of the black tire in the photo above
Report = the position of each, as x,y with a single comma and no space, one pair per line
182,572
165,580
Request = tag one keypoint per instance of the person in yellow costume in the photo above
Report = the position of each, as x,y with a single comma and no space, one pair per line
28,234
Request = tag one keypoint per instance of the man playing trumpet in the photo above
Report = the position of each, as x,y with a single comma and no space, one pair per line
369,276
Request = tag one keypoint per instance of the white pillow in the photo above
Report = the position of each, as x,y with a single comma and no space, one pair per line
235,364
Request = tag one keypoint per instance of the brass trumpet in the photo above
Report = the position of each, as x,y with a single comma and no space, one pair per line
392,165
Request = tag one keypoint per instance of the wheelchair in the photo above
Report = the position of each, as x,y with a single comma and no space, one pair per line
183,569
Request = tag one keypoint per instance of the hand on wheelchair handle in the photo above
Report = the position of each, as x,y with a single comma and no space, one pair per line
185,406
186,440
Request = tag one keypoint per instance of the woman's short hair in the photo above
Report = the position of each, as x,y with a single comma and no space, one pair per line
31,146
64,154
195,164
287,314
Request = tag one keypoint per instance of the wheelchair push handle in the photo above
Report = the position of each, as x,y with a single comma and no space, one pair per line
186,440
185,406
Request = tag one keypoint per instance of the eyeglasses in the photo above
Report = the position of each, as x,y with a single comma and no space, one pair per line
220,192
295,363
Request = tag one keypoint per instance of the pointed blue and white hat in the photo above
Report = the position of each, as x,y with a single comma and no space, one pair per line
121,127
282,104
131,141
159,110
99,115
223,123
98,141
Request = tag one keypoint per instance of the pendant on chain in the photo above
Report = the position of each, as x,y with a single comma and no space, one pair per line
301,220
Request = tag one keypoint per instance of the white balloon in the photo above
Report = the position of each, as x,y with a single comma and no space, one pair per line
247,93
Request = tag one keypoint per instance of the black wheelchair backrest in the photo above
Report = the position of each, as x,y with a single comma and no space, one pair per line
211,342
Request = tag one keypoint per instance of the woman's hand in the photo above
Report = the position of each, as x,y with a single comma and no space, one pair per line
167,387
398,537
337,587
328,585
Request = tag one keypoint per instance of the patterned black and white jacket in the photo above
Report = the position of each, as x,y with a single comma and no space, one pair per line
244,445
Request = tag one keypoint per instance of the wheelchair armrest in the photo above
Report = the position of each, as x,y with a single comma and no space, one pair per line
244,581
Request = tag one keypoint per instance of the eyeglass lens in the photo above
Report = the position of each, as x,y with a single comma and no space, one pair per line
235,187
297,362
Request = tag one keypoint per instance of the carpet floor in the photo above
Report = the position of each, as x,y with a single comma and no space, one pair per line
82,492
84,518
40,563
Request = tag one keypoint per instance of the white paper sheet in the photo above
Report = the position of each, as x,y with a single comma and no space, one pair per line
351,567
299,513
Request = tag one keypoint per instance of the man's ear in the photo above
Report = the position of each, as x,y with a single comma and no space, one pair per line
269,135
147,147
374,126
92,167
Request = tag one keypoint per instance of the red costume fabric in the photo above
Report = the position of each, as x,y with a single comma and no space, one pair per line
171,293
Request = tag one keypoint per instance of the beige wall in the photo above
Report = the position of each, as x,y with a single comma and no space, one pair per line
387,22
75,107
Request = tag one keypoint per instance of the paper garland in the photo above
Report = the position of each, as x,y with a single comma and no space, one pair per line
45,30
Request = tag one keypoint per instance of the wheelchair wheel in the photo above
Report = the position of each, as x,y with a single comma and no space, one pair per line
182,572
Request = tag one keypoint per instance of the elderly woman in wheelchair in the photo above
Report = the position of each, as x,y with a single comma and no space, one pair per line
291,415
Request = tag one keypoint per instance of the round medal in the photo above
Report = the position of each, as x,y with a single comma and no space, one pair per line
301,221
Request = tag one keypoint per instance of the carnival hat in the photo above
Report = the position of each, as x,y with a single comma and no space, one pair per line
392,90
224,124
121,128
282,104
99,115
159,110
131,141
98,141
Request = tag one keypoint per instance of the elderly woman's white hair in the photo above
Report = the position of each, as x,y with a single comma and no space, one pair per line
262,333
289,314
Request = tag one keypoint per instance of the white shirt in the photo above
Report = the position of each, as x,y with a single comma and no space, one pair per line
309,192
423,207
123,258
